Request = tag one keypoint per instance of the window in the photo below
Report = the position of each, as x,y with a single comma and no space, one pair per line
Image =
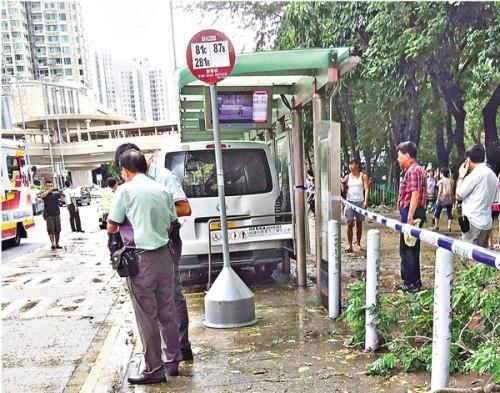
56,72
17,45
16,34
51,27
41,51
36,17
62,16
20,68
64,28
14,23
58,60
54,50
5,26
67,60
65,38
53,38
35,6
14,167
13,11
68,71
5,36
18,57
65,50
247,172
61,5
50,16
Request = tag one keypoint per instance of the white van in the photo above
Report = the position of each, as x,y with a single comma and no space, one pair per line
251,188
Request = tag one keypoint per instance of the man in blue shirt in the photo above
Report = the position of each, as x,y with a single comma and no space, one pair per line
143,211
167,179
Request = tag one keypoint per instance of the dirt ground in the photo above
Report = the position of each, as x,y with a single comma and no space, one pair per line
294,346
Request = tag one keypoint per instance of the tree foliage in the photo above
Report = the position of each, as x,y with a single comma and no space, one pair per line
429,71
405,325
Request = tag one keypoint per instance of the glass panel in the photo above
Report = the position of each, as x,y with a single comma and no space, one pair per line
246,171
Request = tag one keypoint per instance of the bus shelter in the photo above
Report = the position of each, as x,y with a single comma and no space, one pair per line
288,80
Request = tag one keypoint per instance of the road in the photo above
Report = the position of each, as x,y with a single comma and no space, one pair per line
54,304
37,235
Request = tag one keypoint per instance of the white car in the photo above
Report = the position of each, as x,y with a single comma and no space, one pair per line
251,189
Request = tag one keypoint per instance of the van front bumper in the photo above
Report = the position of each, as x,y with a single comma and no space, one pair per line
238,259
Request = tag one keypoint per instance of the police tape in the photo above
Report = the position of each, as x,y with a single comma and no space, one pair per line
456,246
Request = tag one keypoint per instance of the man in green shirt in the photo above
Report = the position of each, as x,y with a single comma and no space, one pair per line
143,211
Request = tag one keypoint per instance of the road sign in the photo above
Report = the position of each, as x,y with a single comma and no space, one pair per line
210,56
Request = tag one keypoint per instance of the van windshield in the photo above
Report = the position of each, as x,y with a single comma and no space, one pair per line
246,171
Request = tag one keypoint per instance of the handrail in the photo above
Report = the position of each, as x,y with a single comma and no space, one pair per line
456,246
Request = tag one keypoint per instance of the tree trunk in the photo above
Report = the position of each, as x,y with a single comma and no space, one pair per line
490,130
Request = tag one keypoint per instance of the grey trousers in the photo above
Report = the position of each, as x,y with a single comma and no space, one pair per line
152,294
477,236
180,301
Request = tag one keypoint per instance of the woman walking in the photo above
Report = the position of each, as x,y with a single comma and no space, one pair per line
356,187
445,198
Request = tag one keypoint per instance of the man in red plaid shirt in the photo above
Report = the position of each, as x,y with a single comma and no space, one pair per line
411,203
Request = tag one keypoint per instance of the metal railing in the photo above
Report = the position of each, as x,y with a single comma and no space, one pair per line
447,248
239,218
382,194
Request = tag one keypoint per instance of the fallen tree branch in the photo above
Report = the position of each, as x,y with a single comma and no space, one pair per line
489,388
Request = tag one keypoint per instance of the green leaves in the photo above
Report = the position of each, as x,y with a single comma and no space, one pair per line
405,324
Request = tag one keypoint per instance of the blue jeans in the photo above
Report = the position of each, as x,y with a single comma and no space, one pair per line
410,256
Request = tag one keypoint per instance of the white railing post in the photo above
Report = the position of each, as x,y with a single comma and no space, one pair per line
441,330
372,288
333,269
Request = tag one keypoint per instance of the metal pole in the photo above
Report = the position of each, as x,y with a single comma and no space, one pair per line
317,117
441,330
28,161
56,112
333,269
45,100
220,176
372,288
172,34
299,202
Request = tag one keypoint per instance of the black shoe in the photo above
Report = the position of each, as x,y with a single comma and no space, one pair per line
409,288
81,231
187,354
172,368
142,379
53,247
59,247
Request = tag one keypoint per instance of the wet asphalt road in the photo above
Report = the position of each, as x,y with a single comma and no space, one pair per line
53,304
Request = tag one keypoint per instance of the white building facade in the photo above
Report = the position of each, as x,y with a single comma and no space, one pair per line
44,40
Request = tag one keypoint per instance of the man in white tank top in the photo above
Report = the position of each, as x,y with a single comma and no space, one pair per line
356,187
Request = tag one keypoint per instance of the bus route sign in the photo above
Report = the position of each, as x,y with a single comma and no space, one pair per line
210,56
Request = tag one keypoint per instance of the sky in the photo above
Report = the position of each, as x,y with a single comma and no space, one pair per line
135,28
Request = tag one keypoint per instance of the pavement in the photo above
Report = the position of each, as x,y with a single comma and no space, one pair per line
53,304
68,327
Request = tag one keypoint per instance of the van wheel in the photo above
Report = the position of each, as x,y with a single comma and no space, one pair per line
265,271
17,240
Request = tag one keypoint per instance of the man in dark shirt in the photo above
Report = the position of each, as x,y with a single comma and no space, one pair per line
51,213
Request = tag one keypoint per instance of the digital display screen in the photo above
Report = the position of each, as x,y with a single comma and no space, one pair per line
243,107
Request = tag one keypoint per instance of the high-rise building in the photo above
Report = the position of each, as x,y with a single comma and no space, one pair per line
105,89
44,40
142,91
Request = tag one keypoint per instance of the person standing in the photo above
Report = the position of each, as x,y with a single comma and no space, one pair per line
173,185
74,213
356,188
52,213
476,188
431,188
445,198
143,211
411,203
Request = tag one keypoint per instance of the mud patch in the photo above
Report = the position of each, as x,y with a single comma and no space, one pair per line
70,308
28,306
96,280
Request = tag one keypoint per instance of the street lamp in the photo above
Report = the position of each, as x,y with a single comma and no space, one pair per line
28,161
45,100
56,113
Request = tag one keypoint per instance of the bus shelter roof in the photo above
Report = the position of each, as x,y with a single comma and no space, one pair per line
293,76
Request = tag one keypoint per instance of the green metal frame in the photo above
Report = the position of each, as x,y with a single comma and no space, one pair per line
299,74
